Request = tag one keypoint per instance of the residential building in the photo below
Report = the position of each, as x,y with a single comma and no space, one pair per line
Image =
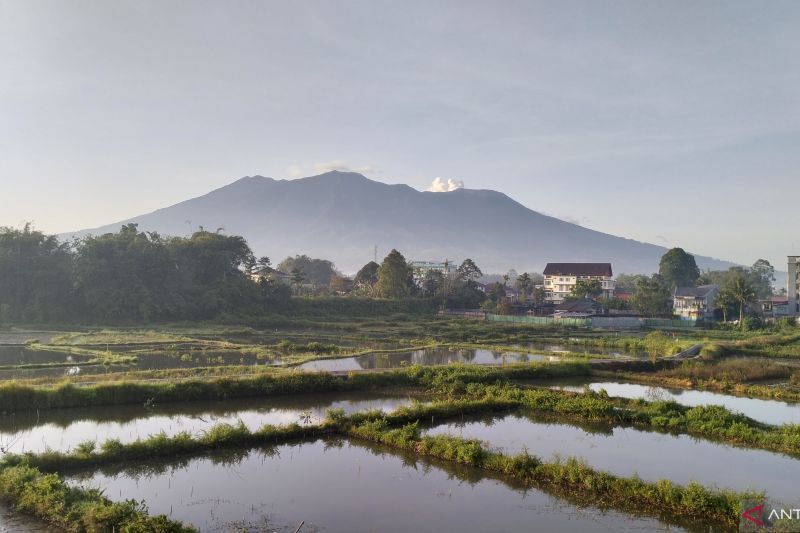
775,307
695,303
420,268
560,278
793,285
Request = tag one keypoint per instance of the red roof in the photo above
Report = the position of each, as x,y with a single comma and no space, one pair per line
578,269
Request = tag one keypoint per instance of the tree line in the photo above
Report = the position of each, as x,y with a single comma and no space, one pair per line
129,275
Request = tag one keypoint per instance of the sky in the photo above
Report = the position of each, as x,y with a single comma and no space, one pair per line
676,123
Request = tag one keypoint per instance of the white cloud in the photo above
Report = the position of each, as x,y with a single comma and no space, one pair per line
439,185
342,166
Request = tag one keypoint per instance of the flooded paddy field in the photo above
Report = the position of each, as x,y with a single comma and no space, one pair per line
429,357
628,451
22,355
64,429
766,411
338,485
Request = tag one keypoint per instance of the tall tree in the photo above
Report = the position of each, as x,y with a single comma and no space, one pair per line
297,278
741,290
367,277
763,277
652,296
678,269
524,285
395,277
35,276
468,272
318,272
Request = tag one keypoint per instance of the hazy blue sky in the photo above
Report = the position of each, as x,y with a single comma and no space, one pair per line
673,122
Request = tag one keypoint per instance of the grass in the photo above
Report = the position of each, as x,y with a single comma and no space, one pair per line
49,498
399,429
710,505
731,376
22,397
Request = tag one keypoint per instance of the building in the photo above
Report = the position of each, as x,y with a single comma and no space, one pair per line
420,268
695,303
774,307
561,278
793,285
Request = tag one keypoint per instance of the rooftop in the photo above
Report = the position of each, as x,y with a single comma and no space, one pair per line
694,292
578,269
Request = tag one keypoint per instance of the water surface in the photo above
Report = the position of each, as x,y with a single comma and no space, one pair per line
64,429
430,357
651,455
766,411
337,486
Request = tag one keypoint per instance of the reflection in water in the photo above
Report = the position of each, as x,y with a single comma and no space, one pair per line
13,522
653,456
431,357
63,429
766,411
20,355
338,486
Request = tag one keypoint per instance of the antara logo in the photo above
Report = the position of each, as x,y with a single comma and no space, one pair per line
755,514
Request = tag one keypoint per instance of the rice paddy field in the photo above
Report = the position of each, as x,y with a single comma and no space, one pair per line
409,423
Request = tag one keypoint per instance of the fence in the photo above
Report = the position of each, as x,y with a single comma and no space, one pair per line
671,323
539,320
597,321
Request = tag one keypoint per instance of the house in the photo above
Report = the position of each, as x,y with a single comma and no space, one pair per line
695,303
793,285
560,278
421,268
774,307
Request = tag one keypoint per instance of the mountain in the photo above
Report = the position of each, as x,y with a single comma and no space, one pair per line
341,216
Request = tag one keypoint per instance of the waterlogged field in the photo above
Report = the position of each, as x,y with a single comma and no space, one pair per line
224,470
766,411
335,485
629,451
64,430
429,357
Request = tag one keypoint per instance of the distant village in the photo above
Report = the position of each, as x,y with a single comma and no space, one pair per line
588,290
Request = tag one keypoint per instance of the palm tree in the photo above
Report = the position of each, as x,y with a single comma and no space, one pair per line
743,293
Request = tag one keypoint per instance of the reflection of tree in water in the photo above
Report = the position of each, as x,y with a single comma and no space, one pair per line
468,356
656,394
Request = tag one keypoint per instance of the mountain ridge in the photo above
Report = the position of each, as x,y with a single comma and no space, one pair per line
341,215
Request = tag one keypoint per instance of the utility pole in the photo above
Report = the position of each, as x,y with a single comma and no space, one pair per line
445,280
375,254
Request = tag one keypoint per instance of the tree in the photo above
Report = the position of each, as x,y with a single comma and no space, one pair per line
318,272
724,302
678,269
524,285
586,288
432,283
497,291
741,290
468,272
395,277
652,296
367,277
297,277
628,281
35,276
763,276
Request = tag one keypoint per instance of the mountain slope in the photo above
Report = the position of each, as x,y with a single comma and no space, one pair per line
340,216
